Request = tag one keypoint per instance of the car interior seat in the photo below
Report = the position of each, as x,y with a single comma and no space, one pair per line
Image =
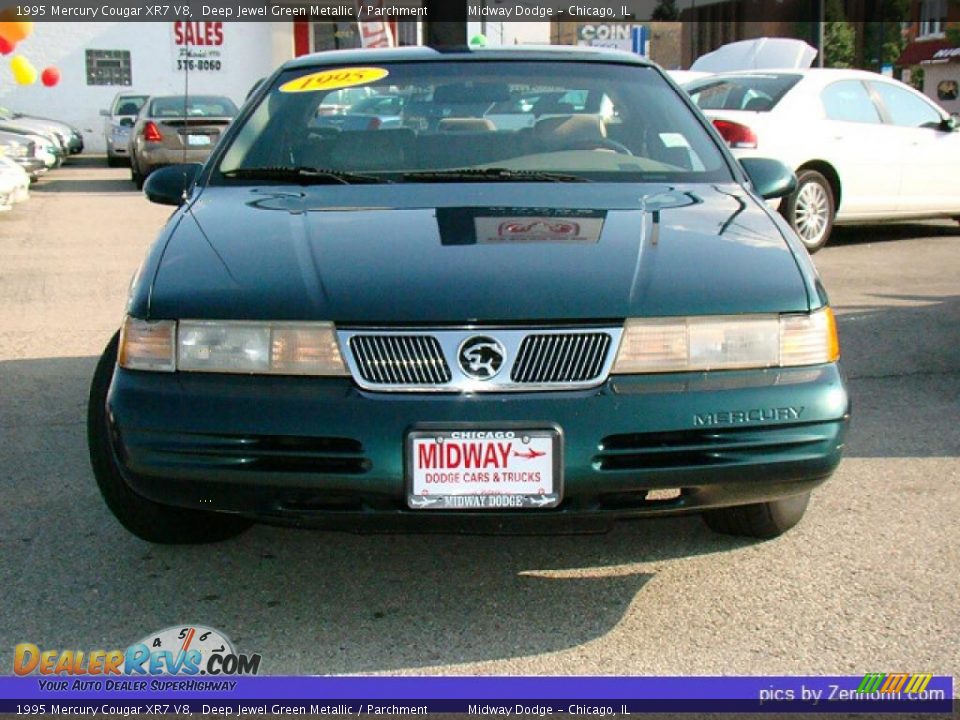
566,131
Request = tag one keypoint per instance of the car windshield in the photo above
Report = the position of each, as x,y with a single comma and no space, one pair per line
196,106
498,120
759,93
129,104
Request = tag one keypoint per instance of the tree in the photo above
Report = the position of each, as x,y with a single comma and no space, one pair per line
953,36
884,39
666,11
839,39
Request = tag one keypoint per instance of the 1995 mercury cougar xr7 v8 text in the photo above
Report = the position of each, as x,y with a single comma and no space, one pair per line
543,298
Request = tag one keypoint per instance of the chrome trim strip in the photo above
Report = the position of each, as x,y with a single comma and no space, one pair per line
428,377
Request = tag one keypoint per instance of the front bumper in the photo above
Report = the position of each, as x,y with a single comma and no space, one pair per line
32,166
320,451
118,145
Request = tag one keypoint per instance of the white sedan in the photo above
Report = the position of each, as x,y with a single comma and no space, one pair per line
14,184
865,147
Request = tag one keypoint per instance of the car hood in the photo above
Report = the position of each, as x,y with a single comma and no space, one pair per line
763,53
455,253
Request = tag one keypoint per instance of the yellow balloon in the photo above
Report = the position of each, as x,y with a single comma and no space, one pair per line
14,32
23,72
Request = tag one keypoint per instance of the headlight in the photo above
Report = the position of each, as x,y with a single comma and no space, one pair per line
281,348
727,342
146,345
13,150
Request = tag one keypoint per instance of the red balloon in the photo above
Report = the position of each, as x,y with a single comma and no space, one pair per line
6,47
50,76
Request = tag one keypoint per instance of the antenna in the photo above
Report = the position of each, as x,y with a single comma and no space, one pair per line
185,137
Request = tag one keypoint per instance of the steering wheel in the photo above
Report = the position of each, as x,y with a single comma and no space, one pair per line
599,144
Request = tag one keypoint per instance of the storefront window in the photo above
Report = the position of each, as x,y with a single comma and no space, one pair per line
933,17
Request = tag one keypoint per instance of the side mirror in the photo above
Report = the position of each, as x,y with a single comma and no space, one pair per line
950,123
770,178
170,185
104,112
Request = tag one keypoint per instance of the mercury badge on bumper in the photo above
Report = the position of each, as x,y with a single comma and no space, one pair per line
521,308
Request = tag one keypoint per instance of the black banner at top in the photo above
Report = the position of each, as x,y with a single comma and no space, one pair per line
566,11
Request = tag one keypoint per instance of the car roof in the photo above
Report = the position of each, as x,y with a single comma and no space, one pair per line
551,53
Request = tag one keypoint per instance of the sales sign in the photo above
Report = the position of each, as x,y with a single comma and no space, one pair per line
198,46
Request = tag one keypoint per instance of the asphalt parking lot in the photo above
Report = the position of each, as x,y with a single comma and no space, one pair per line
867,582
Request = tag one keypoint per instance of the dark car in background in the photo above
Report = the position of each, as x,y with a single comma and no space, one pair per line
173,129
592,317
368,113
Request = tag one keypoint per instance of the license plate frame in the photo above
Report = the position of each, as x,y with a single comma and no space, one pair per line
536,433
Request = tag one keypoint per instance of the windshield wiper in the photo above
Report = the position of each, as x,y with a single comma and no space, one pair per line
303,175
492,174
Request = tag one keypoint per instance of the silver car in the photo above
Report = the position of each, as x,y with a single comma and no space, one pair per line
173,129
119,119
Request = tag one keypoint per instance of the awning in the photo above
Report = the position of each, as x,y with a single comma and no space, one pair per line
921,51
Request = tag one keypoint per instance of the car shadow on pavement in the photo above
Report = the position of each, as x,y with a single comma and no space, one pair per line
901,358
892,231
85,185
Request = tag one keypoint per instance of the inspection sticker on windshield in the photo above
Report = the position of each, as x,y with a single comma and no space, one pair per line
484,469
335,79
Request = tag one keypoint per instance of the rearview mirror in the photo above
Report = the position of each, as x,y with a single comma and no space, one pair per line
770,178
171,185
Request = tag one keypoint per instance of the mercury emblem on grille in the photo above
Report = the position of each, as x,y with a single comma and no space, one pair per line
481,357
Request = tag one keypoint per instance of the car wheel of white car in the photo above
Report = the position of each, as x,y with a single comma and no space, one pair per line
810,209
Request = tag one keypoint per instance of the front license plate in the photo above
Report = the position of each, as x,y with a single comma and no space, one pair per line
198,139
484,469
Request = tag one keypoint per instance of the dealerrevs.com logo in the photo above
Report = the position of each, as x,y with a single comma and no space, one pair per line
177,650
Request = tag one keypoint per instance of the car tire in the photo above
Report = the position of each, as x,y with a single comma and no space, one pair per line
810,209
135,177
762,520
148,520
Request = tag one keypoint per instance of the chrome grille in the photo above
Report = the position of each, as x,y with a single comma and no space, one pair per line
400,359
429,359
560,358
